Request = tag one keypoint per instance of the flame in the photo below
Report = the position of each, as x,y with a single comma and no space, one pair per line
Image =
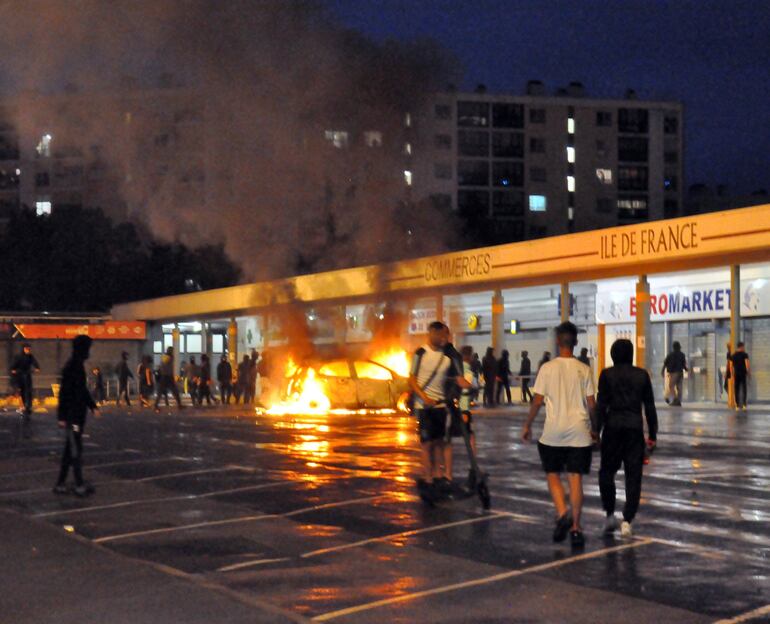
395,359
305,394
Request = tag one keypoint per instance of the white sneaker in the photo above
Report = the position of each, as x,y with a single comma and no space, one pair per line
610,525
625,529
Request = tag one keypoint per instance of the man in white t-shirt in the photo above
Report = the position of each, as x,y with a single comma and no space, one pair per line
428,376
566,387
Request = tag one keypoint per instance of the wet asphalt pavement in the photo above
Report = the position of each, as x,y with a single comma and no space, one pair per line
318,517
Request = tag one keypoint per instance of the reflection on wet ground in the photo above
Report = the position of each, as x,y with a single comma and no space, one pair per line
318,515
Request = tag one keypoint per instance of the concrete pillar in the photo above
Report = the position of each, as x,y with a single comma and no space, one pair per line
601,347
207,340
498,322
735,322
440,308
232,343
564,299
340,325
175,343
642,321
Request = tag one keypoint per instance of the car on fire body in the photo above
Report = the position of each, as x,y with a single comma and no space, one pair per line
357,383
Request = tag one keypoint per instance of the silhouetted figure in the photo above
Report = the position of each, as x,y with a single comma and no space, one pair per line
583,357
525,371
99,395
192,373
124,374
242,384
166,381
225,380
504,376
204,380
489,370
675,364
251,383
74,401
741,371
546,358
21,372
146,381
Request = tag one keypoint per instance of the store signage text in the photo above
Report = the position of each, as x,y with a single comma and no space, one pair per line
707,300
649,241
472,265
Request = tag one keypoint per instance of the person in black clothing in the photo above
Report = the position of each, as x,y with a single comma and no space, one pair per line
242,384
225,380
623,390
146,381
21,372
124,374
476,369
204,381
504,376
525,371
489,371
675,364
546,358
166,380
98,385
251,383
741,371
74,401
583,357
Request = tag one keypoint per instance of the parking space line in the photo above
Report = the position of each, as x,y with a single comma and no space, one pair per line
198,525
480,581
97,466
372,540
746,617
165,499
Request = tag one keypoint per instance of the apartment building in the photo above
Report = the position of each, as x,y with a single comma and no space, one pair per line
545,164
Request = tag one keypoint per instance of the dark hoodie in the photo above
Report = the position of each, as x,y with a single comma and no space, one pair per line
623,390
74,398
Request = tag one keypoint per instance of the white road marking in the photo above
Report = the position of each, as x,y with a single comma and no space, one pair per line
746,617
97,466
476,582
373,540
197,525
166,499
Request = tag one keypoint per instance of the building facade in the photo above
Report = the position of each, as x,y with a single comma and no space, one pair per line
541,165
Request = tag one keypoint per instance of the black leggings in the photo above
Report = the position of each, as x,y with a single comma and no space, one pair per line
72,456
166,384
123,392
740,391
622,446
504,383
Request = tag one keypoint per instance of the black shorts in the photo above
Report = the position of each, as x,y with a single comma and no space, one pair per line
455,430
573,459
432,423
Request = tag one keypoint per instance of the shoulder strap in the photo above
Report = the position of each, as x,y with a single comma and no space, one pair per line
432,375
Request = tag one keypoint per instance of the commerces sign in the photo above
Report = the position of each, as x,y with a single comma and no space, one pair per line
673,303
108,330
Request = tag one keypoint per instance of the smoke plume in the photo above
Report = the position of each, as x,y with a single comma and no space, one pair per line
230,143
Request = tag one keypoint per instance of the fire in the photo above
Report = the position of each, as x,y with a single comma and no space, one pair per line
305,395
395,359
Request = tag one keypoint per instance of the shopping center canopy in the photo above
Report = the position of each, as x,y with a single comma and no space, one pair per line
718,239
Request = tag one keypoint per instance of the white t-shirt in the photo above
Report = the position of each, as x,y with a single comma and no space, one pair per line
423,367
565,383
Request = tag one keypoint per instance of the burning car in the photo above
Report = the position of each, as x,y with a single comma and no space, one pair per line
352,384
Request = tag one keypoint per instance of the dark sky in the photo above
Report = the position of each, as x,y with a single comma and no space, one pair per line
712,55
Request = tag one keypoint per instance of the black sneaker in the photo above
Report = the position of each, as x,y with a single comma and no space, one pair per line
576,539
471,479
562,527
443,487
425,491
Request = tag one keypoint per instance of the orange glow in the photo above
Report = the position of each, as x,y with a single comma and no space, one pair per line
305,395
395,359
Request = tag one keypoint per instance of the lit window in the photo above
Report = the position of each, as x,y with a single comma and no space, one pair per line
570,154
168,341
157,346
338,138
44,146
632,204
408,120
408,178
537,203
570,126
42,208
373,138
571,213
571,184
604,176
194,343
408,149
218,343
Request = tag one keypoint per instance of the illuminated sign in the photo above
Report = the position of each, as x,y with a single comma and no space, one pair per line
514,327
109,330
473,265
474,322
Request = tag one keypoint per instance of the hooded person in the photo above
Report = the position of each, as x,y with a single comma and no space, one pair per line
74,402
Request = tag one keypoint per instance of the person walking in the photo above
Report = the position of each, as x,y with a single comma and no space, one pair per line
546,358
741,370
624,389
192,373
124,374
566,387
476,369
525,371
583,357
99,394
204,380
146,380
503,378
242,383
225,380
675,365
166,381
21,371
489,372
74,402
251,384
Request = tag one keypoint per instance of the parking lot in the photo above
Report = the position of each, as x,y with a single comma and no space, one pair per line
316,517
